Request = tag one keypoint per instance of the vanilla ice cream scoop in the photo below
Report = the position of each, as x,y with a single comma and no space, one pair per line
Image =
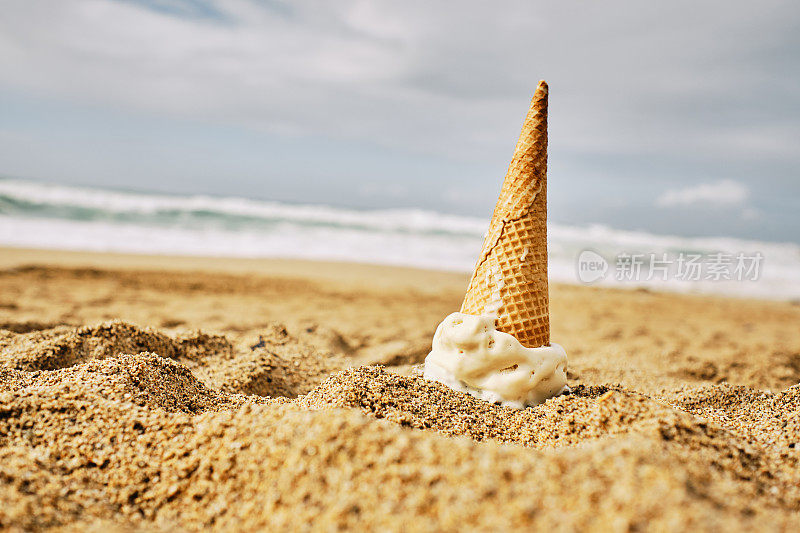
470,355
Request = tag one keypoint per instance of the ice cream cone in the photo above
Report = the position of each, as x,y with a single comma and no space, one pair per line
510,277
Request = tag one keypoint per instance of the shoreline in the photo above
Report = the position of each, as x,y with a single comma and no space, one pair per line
345,273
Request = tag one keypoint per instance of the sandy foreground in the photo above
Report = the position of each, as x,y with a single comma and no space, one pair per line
155,393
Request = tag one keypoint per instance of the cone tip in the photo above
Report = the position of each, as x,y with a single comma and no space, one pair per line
541,89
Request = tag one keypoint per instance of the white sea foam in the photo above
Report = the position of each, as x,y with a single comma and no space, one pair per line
74,218
285,241
152,204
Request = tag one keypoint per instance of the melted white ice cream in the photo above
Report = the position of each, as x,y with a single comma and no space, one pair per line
470,355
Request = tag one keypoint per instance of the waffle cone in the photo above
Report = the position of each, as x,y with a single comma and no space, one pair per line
510,277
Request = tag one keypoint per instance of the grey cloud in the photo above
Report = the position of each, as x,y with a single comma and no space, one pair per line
625,75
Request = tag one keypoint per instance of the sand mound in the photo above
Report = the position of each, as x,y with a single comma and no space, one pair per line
587,413
138,440
278,364
771,419
274,466
144,379
339,469
62,347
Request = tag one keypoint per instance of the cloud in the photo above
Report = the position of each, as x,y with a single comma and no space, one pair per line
422,76
723,193
751,213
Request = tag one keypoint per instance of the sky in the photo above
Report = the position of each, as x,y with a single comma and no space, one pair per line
669,117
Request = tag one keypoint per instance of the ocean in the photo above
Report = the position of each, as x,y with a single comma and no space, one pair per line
41,215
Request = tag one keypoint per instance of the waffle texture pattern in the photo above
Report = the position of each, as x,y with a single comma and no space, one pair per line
510,277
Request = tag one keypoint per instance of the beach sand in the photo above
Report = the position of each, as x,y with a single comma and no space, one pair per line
156,393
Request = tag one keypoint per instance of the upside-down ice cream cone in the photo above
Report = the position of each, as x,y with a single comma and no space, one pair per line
510,277
498,347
